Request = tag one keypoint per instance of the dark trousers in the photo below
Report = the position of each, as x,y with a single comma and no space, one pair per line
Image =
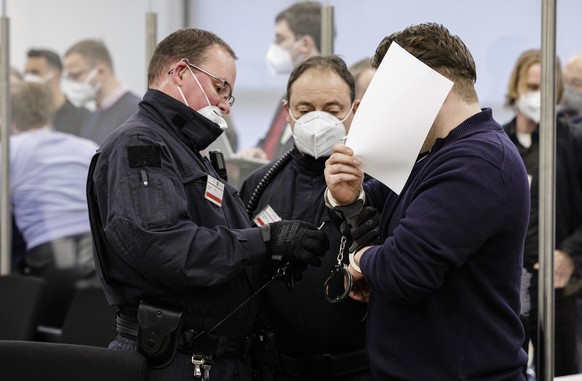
565,346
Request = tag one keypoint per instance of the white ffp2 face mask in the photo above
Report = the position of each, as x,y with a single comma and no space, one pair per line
279,60
212,113
316,132
29,77
81,93
530,105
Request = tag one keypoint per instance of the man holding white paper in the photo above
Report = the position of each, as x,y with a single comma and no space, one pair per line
443,288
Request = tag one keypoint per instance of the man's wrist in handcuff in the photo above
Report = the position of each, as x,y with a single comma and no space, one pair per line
353,259
331,202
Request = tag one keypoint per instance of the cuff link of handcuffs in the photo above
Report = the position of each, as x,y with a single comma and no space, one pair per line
339,283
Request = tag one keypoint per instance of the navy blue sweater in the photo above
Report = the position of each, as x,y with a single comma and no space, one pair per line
446,281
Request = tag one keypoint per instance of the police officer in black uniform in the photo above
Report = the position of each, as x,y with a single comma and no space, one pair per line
315,339
175,248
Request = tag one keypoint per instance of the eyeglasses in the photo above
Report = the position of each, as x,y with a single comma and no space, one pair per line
226,90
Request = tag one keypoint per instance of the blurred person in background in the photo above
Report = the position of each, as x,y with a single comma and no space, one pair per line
363,72
18,244
571,104
45,66
48,174
524,96
297,38
90,77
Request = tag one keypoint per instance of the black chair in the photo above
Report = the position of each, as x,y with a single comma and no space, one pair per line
90,319
21,299
29,360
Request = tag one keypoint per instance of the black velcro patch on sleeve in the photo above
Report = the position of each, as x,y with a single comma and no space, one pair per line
144,156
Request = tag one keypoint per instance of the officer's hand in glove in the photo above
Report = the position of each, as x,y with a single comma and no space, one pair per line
295,241
366,231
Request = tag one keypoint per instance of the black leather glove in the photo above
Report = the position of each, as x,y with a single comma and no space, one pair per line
365,230
295,241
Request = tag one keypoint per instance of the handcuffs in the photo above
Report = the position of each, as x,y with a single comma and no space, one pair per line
339,283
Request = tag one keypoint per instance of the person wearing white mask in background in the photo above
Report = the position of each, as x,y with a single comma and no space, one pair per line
523,94
297,38
90,81
315,339
45,66
571,104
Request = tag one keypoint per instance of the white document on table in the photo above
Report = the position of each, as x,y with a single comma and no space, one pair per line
395,115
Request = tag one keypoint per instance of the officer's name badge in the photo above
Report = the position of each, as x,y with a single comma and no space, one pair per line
266,216
214,191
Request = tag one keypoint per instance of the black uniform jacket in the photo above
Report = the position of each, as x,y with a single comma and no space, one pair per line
168,242
304,322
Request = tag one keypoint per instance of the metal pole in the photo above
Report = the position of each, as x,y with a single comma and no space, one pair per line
151,37
186,13
326,30
5,111
547,190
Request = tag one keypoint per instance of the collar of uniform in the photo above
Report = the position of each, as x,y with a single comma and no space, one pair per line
309,164
199,130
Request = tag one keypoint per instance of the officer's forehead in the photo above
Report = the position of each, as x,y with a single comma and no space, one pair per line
314,82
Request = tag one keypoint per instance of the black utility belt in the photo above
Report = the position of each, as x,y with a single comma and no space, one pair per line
159,334
216,346
324,366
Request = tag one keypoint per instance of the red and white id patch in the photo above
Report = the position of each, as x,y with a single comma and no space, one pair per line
266,216
214,191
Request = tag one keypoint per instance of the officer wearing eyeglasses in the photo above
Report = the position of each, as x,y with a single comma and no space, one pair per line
319,333
174,246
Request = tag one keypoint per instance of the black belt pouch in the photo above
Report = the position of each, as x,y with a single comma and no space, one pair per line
158,334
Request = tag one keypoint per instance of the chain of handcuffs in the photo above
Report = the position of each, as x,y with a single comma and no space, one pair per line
202,363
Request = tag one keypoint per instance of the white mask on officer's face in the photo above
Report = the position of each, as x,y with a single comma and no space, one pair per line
316,132
212,113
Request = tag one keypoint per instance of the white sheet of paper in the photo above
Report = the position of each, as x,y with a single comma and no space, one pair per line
395,116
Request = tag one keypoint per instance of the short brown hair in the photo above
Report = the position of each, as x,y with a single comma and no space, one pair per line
94,51
331,63
190,43
32,105
304,19
519,72
434,45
